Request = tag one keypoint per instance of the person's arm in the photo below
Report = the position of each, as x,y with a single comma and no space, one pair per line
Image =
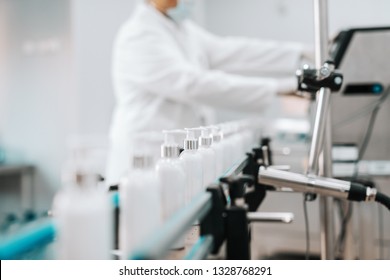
250,56
161,70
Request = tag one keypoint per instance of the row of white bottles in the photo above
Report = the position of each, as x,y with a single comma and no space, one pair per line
238,139
178,177
150,194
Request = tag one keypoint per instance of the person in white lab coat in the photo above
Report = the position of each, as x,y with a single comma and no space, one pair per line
170,73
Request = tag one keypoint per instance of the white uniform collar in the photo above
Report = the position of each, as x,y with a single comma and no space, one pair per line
163,19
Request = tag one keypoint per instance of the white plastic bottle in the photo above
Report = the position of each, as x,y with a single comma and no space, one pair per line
172,178
247,135
192,165
239,150
217,146
83,215
139,199
209,158
228,144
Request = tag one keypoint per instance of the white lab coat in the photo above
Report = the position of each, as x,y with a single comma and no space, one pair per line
168,75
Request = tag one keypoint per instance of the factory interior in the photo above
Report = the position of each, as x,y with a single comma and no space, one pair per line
109,152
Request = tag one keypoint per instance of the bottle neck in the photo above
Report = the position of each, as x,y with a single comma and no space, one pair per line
142,162
84,181
206,142
170,151
191,144
217,138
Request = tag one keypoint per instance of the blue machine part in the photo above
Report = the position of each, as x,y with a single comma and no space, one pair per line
36,235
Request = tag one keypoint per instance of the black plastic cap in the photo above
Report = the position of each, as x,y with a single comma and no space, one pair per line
357,192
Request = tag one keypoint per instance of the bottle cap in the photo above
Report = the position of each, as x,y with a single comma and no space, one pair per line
170,148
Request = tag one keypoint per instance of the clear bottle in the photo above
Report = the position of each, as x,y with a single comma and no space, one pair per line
83,215
139,198
209,158
192,165
172,178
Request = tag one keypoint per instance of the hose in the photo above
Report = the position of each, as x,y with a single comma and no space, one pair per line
383,199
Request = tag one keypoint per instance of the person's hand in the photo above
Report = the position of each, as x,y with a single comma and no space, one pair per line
287,86
308,55
294,106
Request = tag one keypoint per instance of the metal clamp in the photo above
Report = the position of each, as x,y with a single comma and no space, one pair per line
312,80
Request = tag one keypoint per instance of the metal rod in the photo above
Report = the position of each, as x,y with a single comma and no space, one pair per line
327,156
232,172
305,183
158,244
237,168
201,249
323,95
321,132
326,224
326,203
270,217
323,100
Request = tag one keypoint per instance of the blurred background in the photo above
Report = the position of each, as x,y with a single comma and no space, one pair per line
55,81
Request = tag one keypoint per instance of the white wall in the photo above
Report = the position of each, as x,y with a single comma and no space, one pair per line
94,25
290,19
276,19
58,79
362,13
40,108
2,63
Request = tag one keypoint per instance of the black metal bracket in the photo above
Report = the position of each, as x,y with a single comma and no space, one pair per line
312,80
255,196
237,226
261,156
228,222
213,223
237,186
237,233
228,218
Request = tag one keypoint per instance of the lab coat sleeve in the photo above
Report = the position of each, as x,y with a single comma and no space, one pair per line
249,56
160,69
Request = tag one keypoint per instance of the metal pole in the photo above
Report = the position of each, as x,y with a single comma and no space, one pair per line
317,142
323,95
326,203
201,249
321,140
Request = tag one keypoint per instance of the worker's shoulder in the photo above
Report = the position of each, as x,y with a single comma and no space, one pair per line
140,26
